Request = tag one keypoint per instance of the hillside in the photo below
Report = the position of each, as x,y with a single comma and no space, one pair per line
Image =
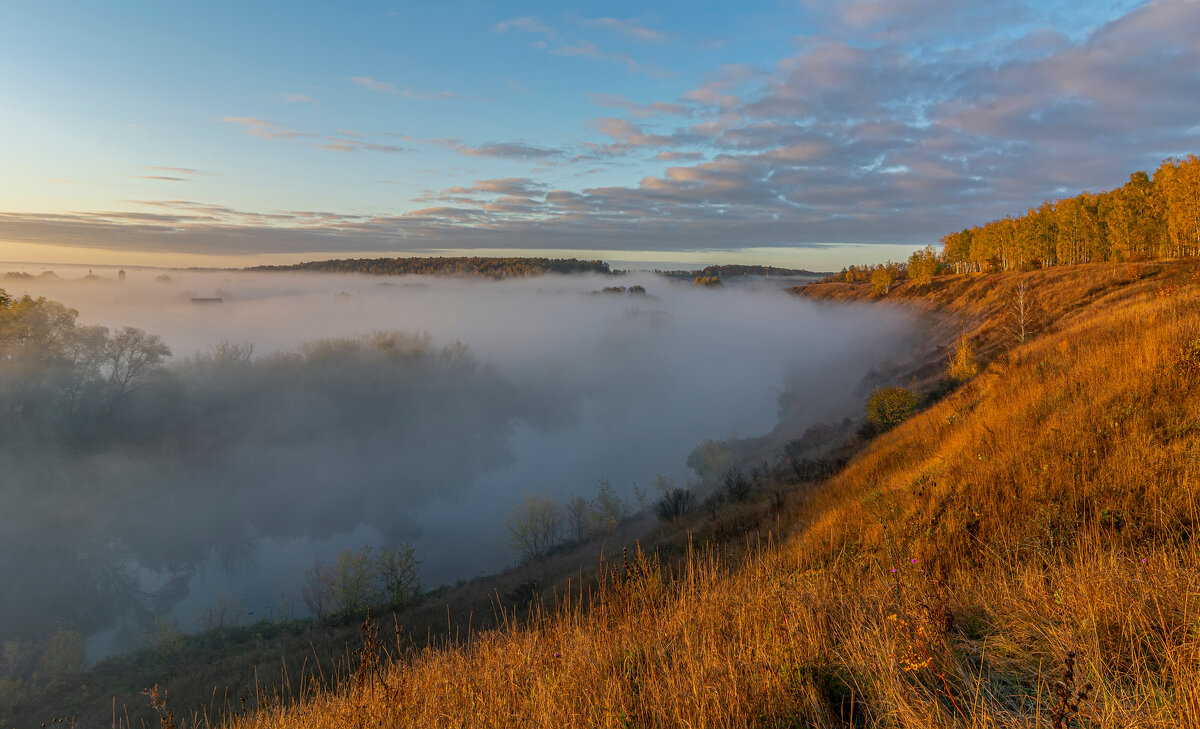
1025,538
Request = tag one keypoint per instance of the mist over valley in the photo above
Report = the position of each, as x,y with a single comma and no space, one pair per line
304,414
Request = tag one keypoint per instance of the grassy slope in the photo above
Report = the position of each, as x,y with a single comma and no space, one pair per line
224,669
1010,494
1048,505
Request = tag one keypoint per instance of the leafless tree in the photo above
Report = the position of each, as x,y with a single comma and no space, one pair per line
132,354
1024,313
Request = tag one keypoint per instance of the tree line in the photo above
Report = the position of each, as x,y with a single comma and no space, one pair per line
56,375
714,273
1151,216
449,266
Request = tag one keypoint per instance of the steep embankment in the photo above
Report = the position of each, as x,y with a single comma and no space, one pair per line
942,578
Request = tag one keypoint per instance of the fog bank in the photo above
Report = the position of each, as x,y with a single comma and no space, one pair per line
495,389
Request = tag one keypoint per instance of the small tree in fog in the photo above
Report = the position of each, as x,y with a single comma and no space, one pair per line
162,636
609,507
355,581
662,485
396,570
316,591
580,519
132,355
351,578
737,486
535,526
62,657
674,504
710,460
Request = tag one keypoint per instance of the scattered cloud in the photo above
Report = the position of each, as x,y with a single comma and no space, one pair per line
560,43
588,49
895,140
511,186
517,150
678,156
297,99
374,84
265,129
430,95
630,27
177,170
525,25
386,87
516,87
652,109
345,141
354,145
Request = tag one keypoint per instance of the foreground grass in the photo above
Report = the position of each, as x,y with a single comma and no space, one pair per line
1047,507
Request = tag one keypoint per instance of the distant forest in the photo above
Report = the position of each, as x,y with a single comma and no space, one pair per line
1151,216
449,266
739,270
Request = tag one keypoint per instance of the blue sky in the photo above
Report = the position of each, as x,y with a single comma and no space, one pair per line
800,133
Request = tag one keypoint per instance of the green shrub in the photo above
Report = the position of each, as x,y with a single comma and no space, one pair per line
889,406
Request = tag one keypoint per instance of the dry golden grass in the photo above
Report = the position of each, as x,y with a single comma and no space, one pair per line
1049,505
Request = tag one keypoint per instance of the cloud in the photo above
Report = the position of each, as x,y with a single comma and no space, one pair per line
526,25
443,96
896,140
628,133
678,156
630,27
176,170
652,109
630,137
163,178
588,49
297,99
516,87
568,44
348,141
265,129
386,87
511,186
430,95
516,150
374,84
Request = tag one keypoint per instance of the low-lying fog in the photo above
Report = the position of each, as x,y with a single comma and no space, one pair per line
220,480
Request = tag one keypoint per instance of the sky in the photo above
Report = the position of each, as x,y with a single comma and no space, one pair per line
797,133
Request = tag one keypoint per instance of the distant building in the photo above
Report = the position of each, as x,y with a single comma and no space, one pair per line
121,275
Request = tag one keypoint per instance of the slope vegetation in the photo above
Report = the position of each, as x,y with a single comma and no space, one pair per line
1020,553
